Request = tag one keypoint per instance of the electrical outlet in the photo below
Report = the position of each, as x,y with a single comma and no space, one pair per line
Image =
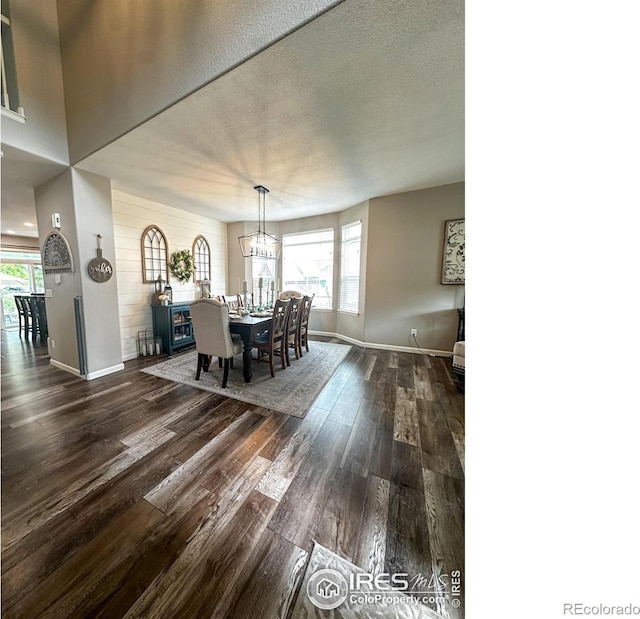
414,332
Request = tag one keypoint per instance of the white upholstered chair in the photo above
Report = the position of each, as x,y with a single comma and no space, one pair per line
290,294
458,362
210,320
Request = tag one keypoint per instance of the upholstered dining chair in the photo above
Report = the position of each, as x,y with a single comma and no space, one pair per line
274,341
303,322
290,294
210,320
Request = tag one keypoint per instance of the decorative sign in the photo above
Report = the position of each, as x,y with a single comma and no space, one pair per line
100,269
56,254
453,259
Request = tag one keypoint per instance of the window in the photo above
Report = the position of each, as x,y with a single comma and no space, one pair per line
202,259
307,265
350,267
155,257
20,273
9,98
263,268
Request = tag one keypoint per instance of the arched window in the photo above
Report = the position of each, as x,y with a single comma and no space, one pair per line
155,257
202,258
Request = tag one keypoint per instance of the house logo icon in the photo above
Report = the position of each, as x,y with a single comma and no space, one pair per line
327,589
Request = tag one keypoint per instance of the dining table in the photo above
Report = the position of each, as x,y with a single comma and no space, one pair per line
248,327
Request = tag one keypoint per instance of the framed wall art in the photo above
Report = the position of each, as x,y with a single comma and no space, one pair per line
453,257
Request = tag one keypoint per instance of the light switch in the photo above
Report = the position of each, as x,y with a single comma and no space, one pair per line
56,278
48,293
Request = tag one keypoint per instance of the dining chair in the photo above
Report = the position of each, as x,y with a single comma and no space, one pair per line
210,321
28,318
290,294
41,310
293,321
303,323
37,320
274,341
22,319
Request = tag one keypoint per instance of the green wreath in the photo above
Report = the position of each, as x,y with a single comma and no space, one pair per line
182,265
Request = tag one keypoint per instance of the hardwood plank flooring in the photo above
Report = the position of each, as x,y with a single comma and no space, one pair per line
132,496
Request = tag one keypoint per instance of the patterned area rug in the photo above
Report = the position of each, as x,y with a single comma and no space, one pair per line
326,593
292,391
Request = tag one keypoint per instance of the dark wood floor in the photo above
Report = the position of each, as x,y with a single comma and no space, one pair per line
133,496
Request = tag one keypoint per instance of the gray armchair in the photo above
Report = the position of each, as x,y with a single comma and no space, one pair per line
210,320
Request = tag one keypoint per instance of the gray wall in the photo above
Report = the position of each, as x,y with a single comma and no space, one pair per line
400,289
404,262
185,45
55,196
34,27
94,215
83,201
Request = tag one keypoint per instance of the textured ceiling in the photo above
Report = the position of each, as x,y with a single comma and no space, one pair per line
366,100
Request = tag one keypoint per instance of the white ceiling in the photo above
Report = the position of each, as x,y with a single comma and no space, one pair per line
353,105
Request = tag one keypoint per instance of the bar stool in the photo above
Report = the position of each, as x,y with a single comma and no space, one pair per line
24,314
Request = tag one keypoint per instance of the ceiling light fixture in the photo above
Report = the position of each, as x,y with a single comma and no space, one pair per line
28,224
260,244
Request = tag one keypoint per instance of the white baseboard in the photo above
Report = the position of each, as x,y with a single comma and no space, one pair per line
105,371
130,356
422,351
65,367
91,375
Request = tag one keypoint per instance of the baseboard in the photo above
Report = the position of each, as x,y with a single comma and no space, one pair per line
65,367
105,371
91,375
130,356
422,351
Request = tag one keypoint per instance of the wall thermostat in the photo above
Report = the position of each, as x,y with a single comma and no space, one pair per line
55,220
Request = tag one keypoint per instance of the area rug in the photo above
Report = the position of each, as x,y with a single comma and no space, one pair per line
327,591
292,391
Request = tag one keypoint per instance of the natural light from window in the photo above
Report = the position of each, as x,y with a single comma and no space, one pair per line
307,265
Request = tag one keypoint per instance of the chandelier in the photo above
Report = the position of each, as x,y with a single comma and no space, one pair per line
260,244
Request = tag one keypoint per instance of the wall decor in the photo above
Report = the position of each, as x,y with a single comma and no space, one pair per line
155,260
182,265
453,266
100,269
56,254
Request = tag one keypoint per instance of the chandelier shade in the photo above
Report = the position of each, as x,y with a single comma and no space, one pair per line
260,244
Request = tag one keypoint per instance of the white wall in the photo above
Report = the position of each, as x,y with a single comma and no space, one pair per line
131,215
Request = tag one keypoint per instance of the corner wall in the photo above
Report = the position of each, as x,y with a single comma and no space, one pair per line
404,262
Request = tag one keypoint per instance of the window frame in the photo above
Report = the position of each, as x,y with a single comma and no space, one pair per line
343,253
199,240
163,267
315,289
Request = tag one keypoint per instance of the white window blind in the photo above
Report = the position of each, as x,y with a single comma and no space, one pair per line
307,265
350,267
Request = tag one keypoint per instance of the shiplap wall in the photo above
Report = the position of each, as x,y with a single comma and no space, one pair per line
131,216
